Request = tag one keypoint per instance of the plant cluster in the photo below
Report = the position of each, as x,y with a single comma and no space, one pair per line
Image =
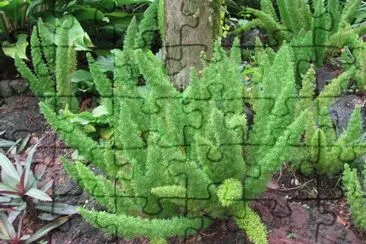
323,149
22,195
49,79
173,162
315,31
354,185
227,159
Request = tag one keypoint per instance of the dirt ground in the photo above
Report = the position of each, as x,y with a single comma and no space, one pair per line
296,209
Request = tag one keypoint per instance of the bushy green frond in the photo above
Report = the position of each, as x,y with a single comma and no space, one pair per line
361,69
74,137
40,68
349,12
132,227
268,23
66,61
131,35
148,26
267,7
229,191
355,196
307,91
34,82
253,226
161,17
285,15
48,47
102,84
335,13
106,192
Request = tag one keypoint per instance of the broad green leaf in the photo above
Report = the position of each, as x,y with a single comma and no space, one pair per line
81,76
100,111
3,3
19,48
80,38
106,133
38,194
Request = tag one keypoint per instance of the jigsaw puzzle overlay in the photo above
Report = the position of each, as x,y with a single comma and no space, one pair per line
195,120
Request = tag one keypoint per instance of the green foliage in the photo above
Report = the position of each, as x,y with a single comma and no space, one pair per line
354,184
316,31
154,182
51,78
323,149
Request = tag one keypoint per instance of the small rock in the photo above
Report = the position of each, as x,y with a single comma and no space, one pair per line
19,86
5,90
323,77
248,38
341,110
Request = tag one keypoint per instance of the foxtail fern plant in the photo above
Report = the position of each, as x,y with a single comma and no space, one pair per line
51,78
354,183
177,161
54,65
322,149
314,30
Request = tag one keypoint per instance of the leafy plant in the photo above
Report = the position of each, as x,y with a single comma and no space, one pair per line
20,187
162,184
49,81
354,185
314,31
21,195
322,149
103,19
13,25
8,232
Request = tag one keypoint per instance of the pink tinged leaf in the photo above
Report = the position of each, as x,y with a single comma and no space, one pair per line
4,234
47,186
28,164
4,187
39,173
8,172
38,194
47,228
25,237
8,228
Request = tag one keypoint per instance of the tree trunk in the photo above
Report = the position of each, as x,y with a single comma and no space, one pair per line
188,30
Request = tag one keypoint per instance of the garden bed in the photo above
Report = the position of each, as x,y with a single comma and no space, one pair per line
289,208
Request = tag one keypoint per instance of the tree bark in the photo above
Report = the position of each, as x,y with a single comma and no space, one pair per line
188,31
